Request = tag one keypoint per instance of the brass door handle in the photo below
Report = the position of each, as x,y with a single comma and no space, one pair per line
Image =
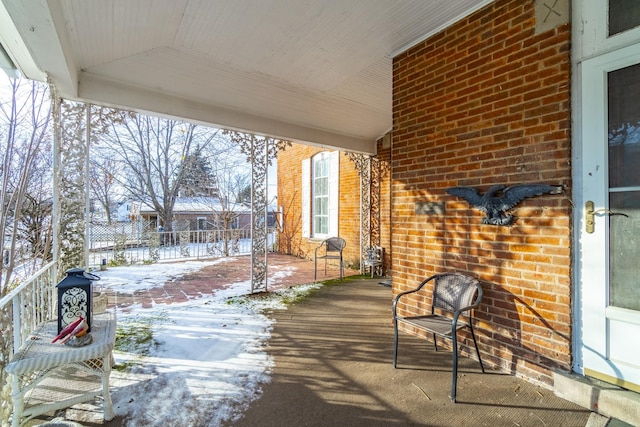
590,213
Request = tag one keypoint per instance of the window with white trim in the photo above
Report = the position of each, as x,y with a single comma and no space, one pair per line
320,201
202,223
320,178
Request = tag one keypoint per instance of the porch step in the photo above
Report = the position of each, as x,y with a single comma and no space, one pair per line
607,400
597,420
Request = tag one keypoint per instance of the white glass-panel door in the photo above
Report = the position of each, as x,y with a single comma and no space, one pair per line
610,239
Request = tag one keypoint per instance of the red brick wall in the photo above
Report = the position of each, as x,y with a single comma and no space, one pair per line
486,102
290,198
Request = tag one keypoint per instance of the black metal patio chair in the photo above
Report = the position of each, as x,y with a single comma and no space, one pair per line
453,295
330,248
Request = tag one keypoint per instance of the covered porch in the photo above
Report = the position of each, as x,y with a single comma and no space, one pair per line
462,93
332,365
244,67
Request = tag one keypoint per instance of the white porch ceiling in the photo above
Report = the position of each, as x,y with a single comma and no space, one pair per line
314,71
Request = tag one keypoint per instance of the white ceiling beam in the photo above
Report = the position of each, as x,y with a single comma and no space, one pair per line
34,36
15,47
101,91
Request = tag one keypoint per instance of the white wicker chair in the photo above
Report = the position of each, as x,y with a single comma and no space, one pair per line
374,259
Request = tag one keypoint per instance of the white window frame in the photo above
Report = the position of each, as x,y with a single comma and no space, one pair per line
591,33
334,197
201,220
318,198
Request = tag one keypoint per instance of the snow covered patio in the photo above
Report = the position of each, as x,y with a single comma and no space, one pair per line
190,343
220,358
185,281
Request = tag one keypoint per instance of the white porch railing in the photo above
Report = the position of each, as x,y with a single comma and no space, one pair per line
35,301
21,311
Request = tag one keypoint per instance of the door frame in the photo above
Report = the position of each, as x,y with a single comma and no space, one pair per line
590,45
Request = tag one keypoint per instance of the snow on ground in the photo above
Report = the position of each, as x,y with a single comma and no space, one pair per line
144,277
206,361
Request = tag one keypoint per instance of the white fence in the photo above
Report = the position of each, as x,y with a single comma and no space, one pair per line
135,245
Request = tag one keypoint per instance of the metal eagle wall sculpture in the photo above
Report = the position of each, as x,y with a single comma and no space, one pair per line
498,199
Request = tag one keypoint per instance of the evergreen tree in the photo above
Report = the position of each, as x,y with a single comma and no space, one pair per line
244,195
198,180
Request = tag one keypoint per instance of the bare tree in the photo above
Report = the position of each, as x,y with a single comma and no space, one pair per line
25,142
35,225
150,153
217,173
102,180
231,182
291,227
232,175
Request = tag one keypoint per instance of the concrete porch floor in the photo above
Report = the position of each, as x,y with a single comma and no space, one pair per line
333,367
333,354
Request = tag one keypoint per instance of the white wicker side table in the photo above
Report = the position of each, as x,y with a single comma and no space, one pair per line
49,376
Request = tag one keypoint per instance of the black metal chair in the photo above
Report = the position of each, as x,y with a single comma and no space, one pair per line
374,258
329,249
453,294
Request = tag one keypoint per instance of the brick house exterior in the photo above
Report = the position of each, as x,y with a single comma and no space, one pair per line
485,101
290,200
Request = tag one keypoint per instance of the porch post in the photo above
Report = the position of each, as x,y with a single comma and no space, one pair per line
55,212
365,208
259,152
362,163
87,185
70,176
371,172
375,176
259,164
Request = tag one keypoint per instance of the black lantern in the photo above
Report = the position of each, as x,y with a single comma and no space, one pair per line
75,297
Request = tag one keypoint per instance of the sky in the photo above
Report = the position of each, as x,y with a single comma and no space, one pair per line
209,360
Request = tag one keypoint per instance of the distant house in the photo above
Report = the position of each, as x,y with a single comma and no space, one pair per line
126,211
200,213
